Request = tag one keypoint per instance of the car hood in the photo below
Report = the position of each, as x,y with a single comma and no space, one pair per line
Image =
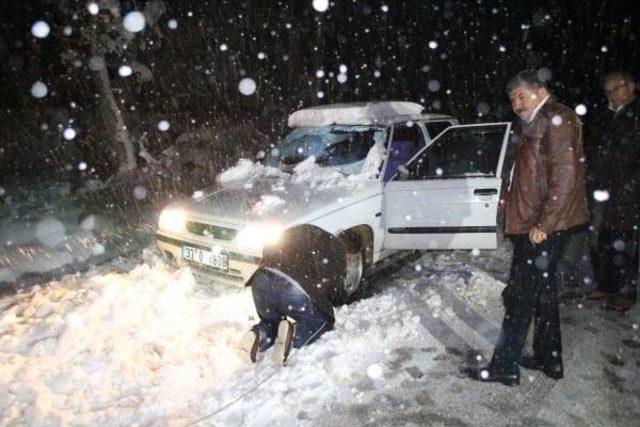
278,200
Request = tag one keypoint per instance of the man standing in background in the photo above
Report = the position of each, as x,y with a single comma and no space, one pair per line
616,180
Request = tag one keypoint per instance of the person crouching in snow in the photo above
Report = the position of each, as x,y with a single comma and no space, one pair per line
294,292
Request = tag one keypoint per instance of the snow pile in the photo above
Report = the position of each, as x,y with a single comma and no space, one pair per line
362,113
267,203
127,347
245,169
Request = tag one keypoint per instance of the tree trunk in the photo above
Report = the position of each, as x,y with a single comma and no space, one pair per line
113,116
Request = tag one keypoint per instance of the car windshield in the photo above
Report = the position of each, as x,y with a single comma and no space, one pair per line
343,147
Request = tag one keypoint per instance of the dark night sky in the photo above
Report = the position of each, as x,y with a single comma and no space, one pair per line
387,50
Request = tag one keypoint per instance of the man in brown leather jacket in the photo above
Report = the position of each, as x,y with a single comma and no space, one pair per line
546,202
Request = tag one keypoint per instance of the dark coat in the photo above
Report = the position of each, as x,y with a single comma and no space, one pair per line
548,185
615,148
313,258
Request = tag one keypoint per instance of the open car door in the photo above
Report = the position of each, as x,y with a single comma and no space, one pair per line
447,195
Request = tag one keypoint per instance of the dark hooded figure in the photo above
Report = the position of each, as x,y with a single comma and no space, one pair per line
294,292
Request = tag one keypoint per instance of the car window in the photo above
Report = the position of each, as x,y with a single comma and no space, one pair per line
460,152
407,141
343,147
436,128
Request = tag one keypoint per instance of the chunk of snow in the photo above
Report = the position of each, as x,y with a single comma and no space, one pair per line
374,371
267,203
581,109
40,29
50,232
321,5
134,22
97,249
247,86
125,71
364,113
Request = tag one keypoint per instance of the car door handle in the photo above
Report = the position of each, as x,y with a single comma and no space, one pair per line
485,191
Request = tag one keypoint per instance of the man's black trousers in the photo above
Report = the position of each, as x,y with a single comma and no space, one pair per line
532,293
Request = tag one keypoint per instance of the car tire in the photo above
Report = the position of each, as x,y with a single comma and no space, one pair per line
353,286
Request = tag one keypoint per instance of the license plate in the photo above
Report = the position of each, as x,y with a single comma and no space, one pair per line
211,259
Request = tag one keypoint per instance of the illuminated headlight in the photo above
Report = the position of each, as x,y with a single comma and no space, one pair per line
255,237
171,220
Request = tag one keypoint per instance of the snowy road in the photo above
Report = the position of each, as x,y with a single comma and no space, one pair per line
146,345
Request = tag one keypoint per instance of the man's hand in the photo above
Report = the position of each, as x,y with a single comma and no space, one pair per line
536,235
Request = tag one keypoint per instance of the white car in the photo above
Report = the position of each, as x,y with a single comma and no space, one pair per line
381,176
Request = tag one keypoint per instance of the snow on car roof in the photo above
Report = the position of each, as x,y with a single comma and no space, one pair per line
360,113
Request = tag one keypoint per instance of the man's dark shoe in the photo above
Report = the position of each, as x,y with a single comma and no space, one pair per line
488,376
532,362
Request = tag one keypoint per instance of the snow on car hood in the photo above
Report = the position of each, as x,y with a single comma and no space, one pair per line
255,193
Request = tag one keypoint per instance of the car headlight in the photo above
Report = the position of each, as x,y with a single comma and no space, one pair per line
255,237
171,220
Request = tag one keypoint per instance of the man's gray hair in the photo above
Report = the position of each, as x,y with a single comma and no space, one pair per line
527,78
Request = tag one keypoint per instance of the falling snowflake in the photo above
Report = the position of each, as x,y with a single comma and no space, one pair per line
581,109
39,89
342,78
247,86
601,195
93,8
556,120
433,44
321,5
433,85
134,22
163,125
40,29
139,192
69,134
125,71
172,24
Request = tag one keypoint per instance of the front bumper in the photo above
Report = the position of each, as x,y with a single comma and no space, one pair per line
241,266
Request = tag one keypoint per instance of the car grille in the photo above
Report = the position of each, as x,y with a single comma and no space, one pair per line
215,231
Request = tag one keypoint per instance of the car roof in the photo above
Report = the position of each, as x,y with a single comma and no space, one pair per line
362,113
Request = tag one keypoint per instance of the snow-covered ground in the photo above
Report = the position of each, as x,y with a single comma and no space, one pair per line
128,342
149,346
